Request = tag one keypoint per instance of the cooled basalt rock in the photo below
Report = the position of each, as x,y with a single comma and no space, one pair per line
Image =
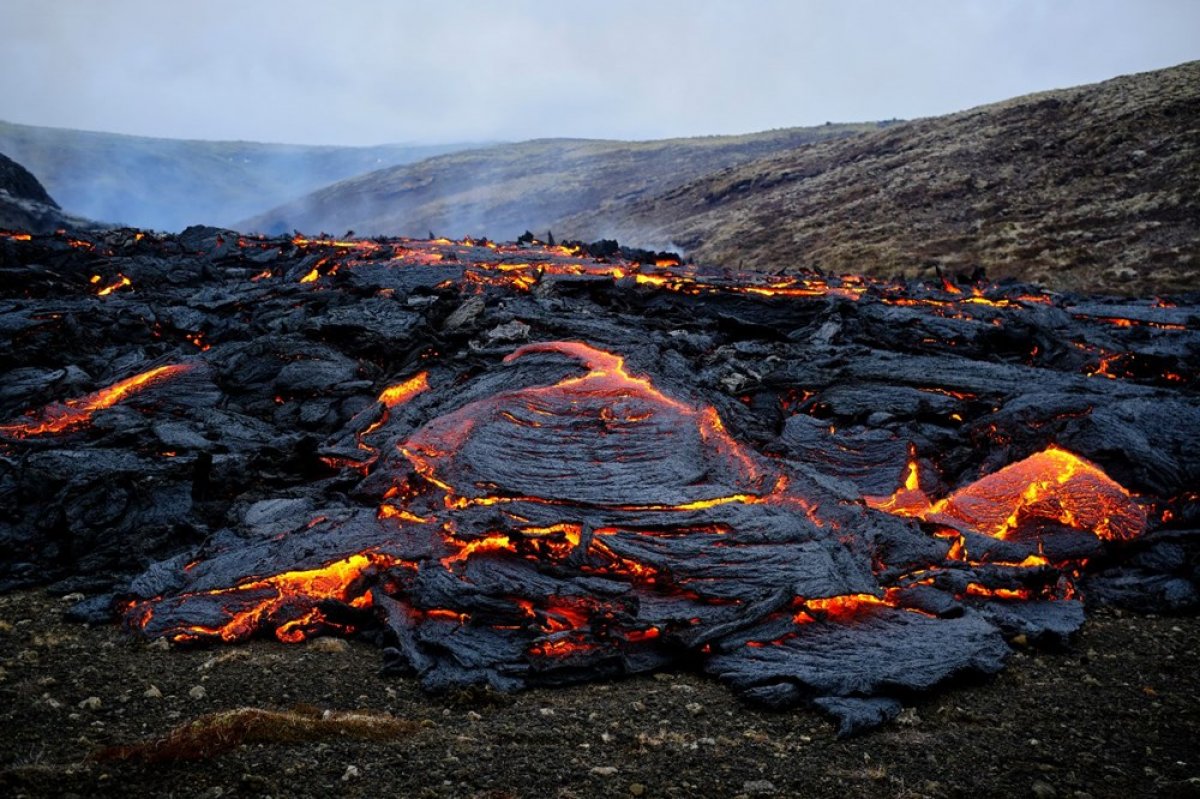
519,465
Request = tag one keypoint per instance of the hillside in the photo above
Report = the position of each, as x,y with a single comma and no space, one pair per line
24,203
504,190
1089,188
168,184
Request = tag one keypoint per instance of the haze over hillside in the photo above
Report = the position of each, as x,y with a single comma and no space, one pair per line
1095,187
168,184
504,190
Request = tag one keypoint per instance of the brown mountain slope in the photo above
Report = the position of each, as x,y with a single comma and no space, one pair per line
504,190
1095,187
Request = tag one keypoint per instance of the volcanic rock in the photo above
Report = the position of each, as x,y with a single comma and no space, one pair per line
532,468
25,205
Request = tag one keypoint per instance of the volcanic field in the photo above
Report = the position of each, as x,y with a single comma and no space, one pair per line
519,465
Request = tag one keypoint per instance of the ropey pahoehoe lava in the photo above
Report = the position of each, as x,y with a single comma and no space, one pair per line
521,465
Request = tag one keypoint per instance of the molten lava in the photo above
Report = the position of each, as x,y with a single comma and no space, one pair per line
1053,485
286,602
73,413
403,392
599,428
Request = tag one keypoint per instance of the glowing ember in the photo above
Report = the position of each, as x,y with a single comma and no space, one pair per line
403,392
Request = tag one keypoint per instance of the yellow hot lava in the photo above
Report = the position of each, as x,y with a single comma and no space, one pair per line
58,418
1054,485
267,597
403,392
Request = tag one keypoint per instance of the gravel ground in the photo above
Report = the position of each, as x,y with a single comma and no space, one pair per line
1115,715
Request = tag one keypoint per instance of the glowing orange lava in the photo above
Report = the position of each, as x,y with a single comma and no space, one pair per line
909,499
403,392
837,608
288,600
60,417
122,282
1052,485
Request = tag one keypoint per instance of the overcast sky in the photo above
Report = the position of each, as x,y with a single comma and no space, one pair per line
374,71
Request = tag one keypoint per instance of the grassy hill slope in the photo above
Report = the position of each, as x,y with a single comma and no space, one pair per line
1089,188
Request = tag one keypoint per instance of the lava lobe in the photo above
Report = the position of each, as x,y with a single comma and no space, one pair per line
520,465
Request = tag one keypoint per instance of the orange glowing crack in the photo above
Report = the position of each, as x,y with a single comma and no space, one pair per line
60,417
975,589
491,543
122,281
837,608
571,533
562,647
357,244
1118,321
392,512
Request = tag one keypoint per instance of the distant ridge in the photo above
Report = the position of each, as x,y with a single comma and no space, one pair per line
1094,188
502,191
168,184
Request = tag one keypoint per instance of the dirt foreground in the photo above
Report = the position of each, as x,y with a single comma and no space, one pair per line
1115,715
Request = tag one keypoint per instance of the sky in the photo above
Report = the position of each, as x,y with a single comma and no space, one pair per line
361,72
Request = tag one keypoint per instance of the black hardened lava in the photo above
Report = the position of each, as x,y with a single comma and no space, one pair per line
533,464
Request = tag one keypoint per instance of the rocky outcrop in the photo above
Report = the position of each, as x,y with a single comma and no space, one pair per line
25,204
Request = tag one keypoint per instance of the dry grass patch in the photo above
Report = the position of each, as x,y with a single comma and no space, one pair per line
215,733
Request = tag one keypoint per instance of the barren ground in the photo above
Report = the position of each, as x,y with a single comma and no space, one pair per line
1115,715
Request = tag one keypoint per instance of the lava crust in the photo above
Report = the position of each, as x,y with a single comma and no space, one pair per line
520,465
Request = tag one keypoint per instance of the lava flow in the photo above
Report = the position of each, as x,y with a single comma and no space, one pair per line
65,416
643,517
585,444
521,464
591,440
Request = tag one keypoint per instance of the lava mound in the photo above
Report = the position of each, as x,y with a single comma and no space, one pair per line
604,438
517,465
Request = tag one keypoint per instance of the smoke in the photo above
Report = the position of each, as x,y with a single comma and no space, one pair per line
169,184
